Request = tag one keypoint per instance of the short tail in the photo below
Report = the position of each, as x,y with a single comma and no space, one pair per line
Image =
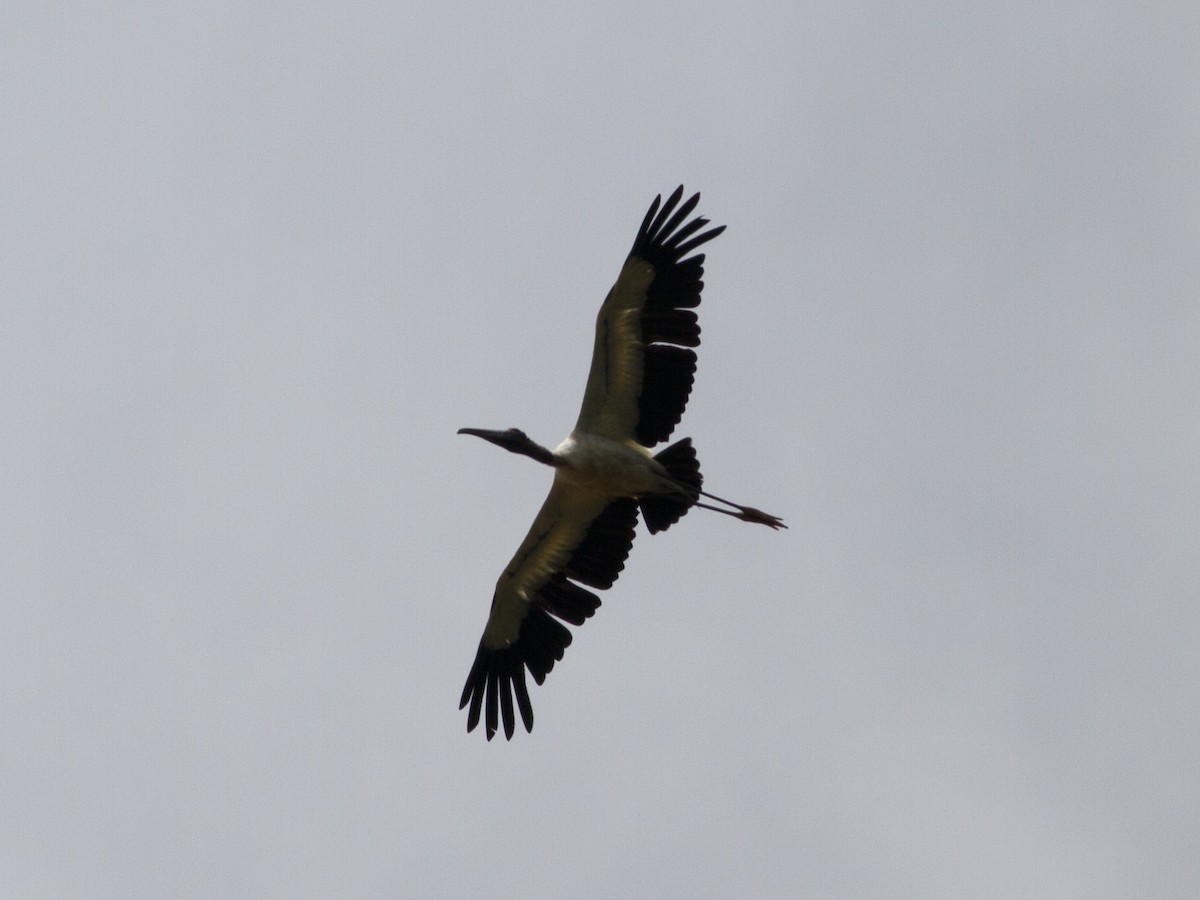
661,511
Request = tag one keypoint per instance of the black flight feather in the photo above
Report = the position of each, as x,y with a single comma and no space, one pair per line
667,323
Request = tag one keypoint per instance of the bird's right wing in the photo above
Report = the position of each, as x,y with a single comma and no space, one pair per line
642,367
578,536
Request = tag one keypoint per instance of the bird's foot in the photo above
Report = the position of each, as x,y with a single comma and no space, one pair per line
750,514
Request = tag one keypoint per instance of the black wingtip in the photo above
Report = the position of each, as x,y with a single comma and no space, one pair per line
662,219
497,676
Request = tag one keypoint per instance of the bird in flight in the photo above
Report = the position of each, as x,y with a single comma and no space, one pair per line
604,472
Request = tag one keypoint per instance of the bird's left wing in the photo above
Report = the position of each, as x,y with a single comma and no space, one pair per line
578,536
642,364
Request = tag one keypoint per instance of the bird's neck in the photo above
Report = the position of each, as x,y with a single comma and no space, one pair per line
541,454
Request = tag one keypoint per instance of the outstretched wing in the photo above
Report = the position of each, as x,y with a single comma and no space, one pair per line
578,536
642,369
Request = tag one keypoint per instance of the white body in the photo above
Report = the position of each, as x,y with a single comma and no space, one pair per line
611,467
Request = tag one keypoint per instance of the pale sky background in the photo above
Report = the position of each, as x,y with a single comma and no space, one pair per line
256,267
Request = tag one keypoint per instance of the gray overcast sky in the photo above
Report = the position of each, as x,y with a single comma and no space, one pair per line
257,266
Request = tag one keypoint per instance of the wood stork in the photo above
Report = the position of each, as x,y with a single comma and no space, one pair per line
638,386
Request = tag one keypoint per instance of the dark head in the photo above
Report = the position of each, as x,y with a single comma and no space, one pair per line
515,441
